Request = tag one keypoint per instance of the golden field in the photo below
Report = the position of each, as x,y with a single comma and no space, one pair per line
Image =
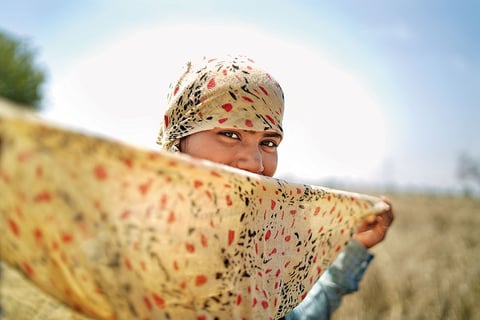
429,265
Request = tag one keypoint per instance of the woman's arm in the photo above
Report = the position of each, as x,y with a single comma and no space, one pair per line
344,275
341,278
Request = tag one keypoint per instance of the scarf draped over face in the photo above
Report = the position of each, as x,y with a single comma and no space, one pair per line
116,232
223,93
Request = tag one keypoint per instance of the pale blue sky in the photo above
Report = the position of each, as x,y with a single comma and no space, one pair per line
418,61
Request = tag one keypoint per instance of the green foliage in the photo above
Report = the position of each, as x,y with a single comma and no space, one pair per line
20,79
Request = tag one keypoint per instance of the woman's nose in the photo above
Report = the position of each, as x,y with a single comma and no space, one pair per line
251,160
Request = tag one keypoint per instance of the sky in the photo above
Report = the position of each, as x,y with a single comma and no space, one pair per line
381,93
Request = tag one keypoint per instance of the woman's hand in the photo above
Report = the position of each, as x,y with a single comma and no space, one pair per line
374,228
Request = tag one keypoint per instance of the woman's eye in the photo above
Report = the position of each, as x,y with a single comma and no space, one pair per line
270,144
230,134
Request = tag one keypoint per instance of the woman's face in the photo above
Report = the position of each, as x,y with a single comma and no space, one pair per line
254,151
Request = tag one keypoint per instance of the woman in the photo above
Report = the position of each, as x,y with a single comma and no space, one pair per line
230,111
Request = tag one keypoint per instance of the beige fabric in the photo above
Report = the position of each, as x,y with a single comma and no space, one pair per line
21,300
117,232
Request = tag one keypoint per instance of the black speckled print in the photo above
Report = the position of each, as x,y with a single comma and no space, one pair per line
117,232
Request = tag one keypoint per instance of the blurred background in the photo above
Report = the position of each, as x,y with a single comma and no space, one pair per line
383,94
380,95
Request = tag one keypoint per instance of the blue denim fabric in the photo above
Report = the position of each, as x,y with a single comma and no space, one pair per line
341,278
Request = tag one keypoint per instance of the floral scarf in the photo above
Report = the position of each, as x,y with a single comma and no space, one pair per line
96,228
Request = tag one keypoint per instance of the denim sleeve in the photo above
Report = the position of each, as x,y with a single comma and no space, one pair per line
341,278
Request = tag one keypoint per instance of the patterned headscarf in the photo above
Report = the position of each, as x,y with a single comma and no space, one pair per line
225,93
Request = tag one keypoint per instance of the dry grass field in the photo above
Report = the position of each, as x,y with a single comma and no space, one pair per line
429,265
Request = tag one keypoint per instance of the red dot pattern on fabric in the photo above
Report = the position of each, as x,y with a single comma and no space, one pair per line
211,83
227,107
100,172
43,196
159,301
229,200
231,236
13,227
161,227
165,119
200,280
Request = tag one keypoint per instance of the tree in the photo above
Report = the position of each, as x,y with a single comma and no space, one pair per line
20,78
468,172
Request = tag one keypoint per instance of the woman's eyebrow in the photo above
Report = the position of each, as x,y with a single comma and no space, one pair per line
272,135
265,134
